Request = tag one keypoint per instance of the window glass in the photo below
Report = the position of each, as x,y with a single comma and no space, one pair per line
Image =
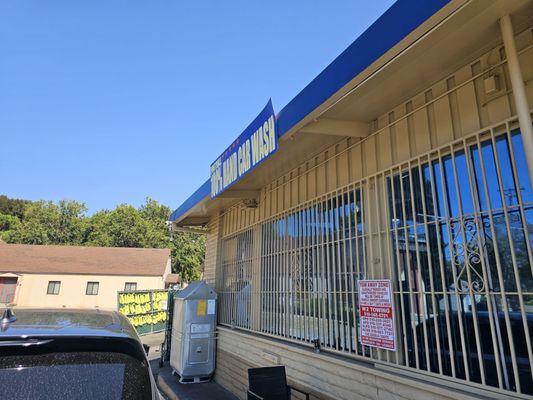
97,375
480,184
493,185
130,286
524,183
53,287
439,189
92,288
510,193
463,183
450,189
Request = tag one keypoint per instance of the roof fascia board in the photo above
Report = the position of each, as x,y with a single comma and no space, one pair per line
200,195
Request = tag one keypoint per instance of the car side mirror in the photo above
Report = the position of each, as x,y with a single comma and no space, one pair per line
146,348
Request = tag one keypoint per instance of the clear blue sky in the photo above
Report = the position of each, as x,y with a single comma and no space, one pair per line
110,101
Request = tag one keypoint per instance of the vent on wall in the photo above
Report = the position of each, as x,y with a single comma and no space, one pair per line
250,203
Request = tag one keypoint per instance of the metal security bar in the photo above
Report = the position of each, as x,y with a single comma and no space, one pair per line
452,229
236,279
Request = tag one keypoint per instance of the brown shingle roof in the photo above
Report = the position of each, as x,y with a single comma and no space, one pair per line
23,258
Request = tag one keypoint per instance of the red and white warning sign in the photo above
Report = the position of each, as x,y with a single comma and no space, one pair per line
377,314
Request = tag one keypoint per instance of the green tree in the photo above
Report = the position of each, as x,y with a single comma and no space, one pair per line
187,249
156,215
8,223
49,223
14,207
96,233
188,255
122,227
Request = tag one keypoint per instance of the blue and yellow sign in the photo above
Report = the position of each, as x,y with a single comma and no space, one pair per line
256,143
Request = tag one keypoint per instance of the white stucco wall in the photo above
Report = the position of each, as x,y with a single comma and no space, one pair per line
32,290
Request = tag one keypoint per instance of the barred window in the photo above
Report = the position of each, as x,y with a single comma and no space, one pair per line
452,230
460,232
236,280
306,296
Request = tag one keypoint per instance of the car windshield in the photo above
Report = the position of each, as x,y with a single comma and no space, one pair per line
74,375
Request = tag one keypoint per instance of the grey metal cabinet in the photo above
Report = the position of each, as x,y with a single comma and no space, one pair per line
193,343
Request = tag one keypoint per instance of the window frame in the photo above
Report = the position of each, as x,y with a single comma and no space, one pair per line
55,284
92,284
8,282
126,284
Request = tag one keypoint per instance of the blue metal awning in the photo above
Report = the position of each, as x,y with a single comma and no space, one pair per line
194,199
389,29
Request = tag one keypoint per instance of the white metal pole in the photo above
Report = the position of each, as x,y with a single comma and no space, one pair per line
519,91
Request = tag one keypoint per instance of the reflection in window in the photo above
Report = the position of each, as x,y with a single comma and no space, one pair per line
312,262
469,243
454,234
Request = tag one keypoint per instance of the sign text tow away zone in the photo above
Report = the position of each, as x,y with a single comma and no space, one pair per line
376,312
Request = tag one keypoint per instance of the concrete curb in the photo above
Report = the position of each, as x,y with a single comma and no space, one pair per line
163,386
